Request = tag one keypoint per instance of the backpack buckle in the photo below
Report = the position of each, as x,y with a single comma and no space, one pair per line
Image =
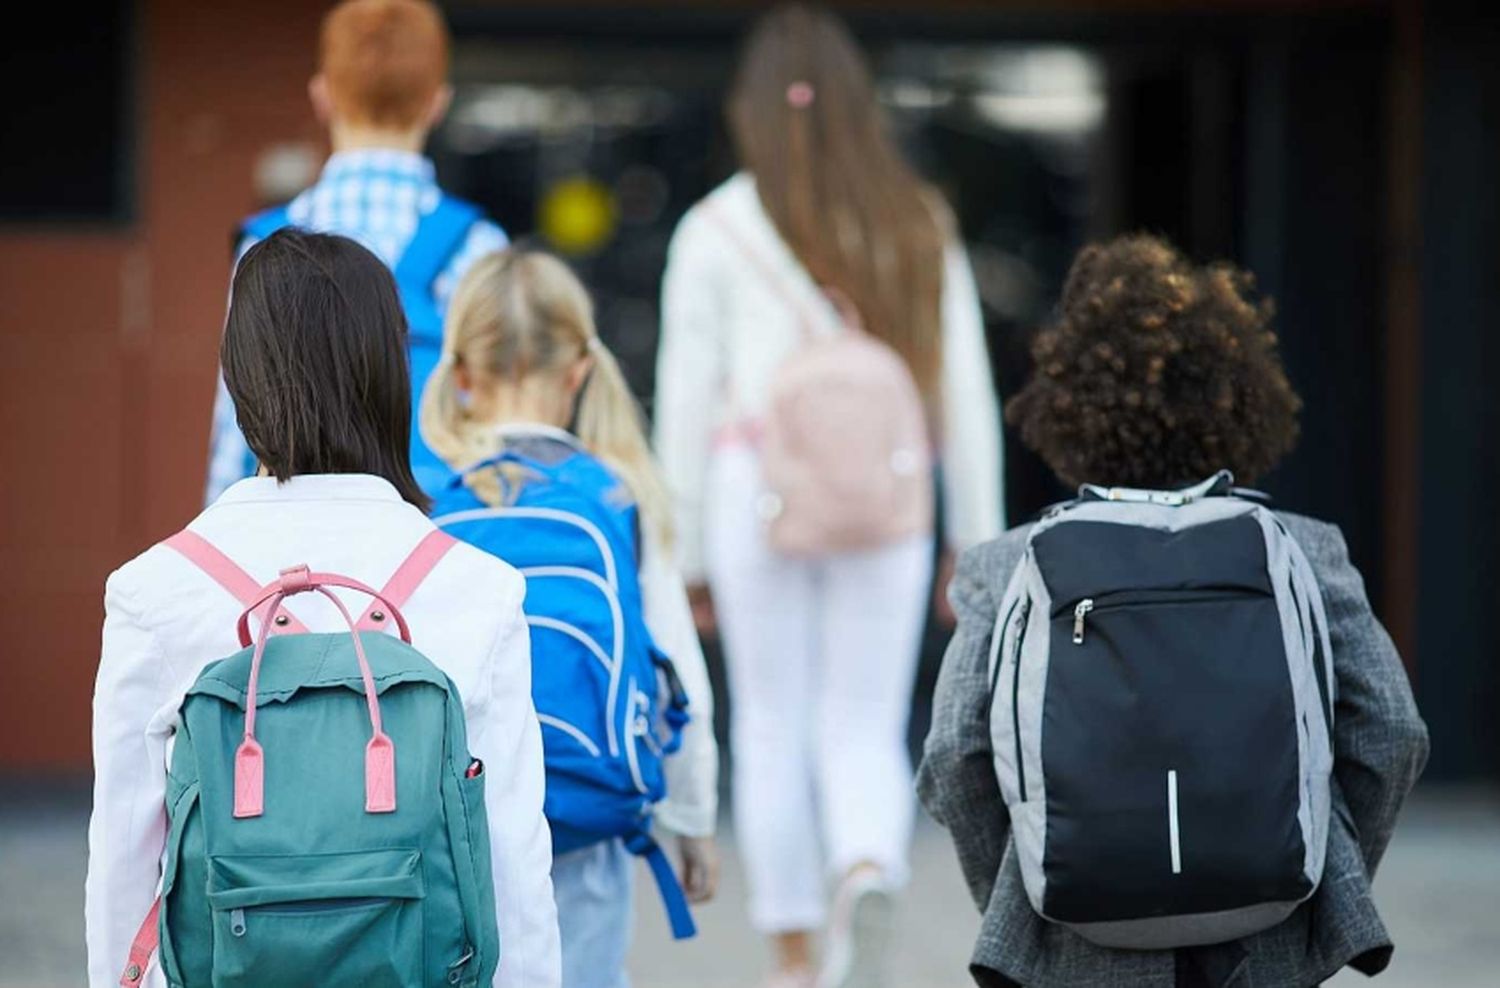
295,579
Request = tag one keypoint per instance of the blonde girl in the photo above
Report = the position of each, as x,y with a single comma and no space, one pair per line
523,371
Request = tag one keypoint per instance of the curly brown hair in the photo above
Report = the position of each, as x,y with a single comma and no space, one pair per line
1156,373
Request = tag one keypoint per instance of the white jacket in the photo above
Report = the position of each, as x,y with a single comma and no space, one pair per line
726,327
165,620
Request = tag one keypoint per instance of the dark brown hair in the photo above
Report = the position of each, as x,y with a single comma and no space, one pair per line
806,123
1156,373
314,356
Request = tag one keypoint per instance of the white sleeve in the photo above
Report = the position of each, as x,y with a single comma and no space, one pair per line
692,804
505,735
973,443
128,826
689,382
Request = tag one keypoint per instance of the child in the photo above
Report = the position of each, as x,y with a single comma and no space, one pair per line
1157,373
314,359
380,89
521,361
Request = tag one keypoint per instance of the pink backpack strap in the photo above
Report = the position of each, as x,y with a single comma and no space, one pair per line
408,576
142,947
227,574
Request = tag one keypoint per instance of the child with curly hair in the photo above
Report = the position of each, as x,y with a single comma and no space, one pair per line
1155,374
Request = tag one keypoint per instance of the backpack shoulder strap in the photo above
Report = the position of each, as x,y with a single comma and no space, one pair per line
440,234
408,576
806,318
263,224
225,572
142,947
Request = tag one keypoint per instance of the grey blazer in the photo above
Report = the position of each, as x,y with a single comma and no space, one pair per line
1380,748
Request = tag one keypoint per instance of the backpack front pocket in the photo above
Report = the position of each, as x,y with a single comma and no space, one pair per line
1171,758
328,920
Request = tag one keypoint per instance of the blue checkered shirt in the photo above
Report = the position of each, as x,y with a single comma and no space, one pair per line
375,197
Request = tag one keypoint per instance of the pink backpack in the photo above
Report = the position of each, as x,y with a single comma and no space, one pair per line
845,452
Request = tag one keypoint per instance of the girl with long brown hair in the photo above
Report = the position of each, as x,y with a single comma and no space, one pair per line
821,645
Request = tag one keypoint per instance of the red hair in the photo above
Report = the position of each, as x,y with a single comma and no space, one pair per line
384,60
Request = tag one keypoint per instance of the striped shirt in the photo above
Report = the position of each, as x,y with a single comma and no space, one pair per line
374,196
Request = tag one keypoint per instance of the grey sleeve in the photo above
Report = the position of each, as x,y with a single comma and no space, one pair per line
1380,742
956,780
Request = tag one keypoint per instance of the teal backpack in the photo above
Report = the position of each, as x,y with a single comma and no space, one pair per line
325,822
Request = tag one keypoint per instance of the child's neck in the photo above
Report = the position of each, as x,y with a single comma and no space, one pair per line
523,408
354,137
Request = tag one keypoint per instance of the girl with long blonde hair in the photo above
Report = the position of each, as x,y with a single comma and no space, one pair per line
821,649
525,383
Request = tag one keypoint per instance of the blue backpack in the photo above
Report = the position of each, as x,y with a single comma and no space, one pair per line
610,703
440,234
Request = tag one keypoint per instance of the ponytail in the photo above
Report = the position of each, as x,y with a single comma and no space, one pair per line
610,425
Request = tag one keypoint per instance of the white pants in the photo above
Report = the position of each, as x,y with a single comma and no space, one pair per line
821,657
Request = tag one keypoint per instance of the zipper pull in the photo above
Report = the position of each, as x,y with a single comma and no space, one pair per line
1079,613
237,922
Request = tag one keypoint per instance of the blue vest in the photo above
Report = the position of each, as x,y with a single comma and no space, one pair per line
610,704
440,235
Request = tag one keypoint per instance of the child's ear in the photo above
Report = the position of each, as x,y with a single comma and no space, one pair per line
321,99
438,108
579,373
463,378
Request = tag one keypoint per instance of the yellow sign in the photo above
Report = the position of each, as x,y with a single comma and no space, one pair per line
578,215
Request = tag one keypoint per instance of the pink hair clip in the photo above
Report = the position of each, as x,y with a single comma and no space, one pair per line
799,95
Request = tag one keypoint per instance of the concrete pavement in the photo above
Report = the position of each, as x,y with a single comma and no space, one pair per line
1439,891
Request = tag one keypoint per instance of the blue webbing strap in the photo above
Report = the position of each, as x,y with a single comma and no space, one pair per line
439,236
263,224
672,897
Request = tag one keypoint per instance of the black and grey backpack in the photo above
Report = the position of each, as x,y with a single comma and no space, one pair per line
1162,715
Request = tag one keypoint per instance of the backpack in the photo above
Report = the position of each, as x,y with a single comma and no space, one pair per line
1161,716
609,702
440,235
326,825
845,452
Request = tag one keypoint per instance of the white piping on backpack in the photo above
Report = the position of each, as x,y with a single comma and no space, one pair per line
574,632
549,514
618,664
1172,828
570,730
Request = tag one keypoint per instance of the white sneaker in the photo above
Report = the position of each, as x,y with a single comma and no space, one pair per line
859,934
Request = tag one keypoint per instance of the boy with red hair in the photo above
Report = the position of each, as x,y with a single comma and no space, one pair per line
380,89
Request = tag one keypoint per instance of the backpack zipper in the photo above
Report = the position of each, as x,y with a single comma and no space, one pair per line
1079,614
1015,695
635,726
1148,598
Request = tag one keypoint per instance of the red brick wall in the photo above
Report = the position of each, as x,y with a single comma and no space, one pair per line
107,351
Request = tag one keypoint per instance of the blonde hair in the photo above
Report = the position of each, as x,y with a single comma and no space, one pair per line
515,315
